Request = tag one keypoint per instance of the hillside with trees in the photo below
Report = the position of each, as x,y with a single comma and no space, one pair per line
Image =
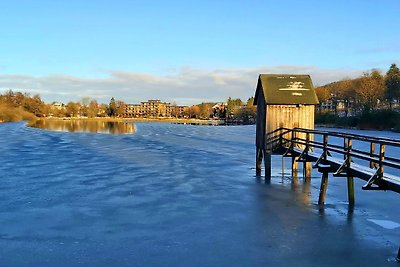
20,106
369,101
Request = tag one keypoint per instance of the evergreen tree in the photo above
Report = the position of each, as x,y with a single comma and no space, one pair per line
392,83
232,104
112,108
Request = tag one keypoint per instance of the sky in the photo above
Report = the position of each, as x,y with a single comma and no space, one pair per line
188,52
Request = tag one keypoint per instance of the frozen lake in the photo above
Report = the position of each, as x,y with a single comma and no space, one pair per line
177,195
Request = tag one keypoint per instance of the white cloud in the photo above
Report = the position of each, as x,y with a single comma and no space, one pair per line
186,86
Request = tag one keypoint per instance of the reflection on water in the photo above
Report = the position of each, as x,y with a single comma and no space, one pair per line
302,190
92,126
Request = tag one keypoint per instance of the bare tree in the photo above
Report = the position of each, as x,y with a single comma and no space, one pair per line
93,109
72,109
370,89
121,108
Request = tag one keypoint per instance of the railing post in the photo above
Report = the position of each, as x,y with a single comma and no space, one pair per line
295,164
307,164
381,158
307,143
293,139
372,164
325,144
379,172
349,148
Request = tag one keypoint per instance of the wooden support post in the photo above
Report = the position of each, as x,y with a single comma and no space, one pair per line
322,191
307,170
350,190
267,164
295,166
259,158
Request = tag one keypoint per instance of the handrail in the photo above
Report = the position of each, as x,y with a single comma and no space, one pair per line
366,138
281,138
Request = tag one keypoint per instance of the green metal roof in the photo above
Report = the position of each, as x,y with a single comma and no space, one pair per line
286,89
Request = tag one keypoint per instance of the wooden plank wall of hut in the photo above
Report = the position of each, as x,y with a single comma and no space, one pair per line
289,116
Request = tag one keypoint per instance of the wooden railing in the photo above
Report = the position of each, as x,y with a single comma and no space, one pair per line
368,162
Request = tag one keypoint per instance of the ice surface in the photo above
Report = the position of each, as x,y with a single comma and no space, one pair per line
174,195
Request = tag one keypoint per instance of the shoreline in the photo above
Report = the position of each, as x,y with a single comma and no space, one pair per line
210,122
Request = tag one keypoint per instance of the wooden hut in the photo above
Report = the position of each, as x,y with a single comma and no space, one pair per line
283,100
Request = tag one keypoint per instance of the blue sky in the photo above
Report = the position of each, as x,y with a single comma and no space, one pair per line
188,51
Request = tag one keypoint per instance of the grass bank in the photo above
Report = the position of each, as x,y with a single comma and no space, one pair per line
11,114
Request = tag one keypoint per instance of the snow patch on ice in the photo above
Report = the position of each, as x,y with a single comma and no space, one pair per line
385,224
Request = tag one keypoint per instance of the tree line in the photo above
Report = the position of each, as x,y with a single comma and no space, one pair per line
17,102
234,110
16,106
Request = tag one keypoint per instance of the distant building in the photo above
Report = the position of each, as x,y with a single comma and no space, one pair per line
219,110
180,111
332,105
339,107
154,108
133,110
57,105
